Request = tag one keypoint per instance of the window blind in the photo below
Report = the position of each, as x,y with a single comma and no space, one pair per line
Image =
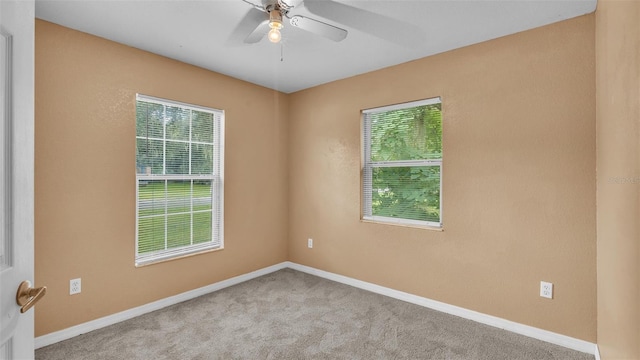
401,175
179,179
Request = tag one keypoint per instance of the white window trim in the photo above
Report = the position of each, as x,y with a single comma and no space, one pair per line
217,202
431,101
369,165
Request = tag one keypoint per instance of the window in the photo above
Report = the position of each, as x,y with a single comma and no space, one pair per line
179,179
402,148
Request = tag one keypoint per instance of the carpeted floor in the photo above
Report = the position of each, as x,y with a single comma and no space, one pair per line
293,315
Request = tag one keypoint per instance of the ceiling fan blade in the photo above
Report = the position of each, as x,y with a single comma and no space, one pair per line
380,26
258,33
255,23
318,27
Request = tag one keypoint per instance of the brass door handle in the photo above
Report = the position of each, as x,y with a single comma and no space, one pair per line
28,296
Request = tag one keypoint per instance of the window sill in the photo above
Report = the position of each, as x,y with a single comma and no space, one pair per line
415,226
177,257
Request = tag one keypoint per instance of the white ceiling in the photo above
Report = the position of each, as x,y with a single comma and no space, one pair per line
200,33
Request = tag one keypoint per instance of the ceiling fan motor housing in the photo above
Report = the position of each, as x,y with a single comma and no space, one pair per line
283,5
286,5
271,5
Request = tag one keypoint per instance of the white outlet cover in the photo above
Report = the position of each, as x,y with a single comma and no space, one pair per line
75,286
310,243
546,289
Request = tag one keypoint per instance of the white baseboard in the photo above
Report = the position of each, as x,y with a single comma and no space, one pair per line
83,328
526,330
544,335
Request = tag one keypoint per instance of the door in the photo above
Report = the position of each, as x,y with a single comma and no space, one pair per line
16,175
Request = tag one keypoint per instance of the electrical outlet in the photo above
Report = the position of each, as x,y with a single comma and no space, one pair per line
75,286
310,243
546,289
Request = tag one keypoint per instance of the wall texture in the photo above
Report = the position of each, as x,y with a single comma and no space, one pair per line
618,164
85,176
518,179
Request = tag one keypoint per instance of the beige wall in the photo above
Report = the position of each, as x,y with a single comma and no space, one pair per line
618,164
518,179
85,176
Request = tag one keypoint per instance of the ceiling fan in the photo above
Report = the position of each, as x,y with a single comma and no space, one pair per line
266,19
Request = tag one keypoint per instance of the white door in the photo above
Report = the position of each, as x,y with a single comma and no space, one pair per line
16,175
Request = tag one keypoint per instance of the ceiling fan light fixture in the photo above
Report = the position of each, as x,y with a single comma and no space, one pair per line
274,35
275,23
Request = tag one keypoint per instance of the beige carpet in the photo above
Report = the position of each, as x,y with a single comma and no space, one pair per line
293,315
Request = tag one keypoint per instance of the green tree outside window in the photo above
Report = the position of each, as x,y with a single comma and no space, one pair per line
403,161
